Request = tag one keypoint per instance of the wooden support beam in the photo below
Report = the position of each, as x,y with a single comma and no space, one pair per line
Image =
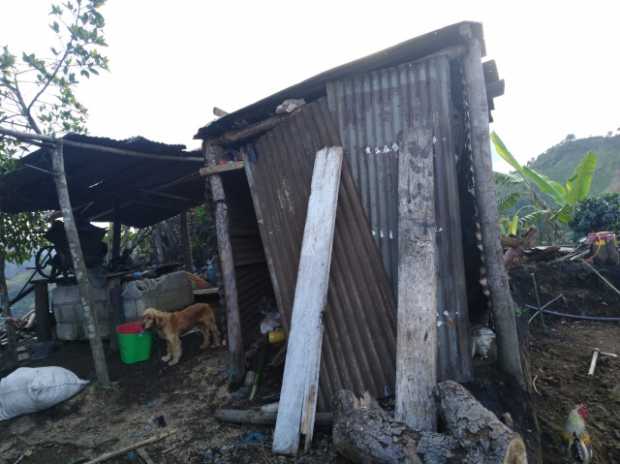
254,130
115,292
79,265
93,147
212,153
42,310
5,309
503,305
416,333
220,168
186,241
300,384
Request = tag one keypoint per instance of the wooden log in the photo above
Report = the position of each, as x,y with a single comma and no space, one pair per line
503,305
79,265
210,170
489,439
258,417
363,433
299,395
186,241
251,131
416,339
212,153
42,309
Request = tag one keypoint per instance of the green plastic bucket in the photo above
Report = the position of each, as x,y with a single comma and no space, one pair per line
134,342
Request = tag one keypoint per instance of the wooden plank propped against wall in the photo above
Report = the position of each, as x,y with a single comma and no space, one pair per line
416,333
300,384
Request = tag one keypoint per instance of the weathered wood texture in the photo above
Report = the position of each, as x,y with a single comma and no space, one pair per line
220,168
186,242
5,307
363,432
212,153
299,396
79,266
258,417
360,328
503,305
491,441
42,309
416,334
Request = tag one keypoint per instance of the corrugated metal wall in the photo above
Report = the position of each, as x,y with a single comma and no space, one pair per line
359,340
373,111
253,280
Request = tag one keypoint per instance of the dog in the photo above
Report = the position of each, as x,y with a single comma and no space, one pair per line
170,327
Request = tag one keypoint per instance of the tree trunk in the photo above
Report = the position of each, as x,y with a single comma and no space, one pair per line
503,305
470,422
365,433
235,341
6,313
79,265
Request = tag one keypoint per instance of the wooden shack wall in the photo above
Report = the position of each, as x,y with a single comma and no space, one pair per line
373,111
359,343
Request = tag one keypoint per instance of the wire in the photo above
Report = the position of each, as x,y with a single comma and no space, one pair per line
576,316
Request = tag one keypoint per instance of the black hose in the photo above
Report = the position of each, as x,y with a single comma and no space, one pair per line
577,316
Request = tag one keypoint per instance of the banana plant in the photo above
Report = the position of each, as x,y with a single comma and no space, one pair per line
564,198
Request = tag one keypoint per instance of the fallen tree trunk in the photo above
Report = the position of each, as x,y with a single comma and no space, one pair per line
363,432
470,422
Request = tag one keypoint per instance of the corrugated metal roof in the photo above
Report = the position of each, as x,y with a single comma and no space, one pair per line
374,110
98,178
313,88
359,342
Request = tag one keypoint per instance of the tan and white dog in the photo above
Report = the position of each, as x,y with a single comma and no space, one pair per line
170,327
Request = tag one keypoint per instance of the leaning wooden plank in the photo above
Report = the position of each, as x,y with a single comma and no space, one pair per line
218,169
79,266
416,334
299,395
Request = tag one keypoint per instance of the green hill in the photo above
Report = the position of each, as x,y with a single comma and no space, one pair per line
559,161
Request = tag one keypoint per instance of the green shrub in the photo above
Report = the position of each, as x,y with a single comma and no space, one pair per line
597,214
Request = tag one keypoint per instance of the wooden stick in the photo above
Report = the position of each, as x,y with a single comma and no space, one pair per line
593,362
79,266
611,355
249,132
145,456
593,269
139,444
210,170
258,417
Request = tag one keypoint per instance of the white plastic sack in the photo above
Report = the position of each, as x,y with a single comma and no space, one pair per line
28,390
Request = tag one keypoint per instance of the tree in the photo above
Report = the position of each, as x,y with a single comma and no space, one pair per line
597,214
552,200
37,94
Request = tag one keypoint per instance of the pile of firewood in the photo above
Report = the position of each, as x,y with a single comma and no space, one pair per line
364,432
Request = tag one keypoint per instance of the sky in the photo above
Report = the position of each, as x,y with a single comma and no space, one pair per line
172,61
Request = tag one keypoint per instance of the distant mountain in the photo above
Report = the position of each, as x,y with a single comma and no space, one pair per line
559,161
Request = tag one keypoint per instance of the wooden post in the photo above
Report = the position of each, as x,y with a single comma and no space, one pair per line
416,333
186,240
212,153
116,233
503,306
79,265
5,307
115,291
42,310
300,384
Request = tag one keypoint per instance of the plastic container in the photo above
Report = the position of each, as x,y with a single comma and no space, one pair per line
134,342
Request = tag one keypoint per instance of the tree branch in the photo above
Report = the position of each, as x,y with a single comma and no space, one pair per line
25,109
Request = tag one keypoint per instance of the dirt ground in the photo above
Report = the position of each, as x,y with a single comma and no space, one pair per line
100,420
560,360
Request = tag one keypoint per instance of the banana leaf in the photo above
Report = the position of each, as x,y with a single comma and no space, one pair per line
579,185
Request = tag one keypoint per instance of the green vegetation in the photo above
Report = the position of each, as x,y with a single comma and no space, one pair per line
550,202
597,214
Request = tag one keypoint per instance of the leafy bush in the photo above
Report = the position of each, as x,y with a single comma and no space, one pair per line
597,214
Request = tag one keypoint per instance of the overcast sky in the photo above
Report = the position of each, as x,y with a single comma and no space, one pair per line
172,61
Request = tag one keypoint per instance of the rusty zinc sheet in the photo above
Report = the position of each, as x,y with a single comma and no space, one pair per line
359,339
374,110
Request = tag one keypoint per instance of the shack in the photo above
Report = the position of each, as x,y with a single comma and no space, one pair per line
427,98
